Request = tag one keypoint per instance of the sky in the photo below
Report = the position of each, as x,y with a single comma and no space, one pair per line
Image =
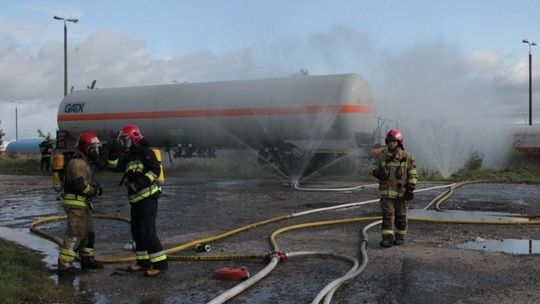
444,60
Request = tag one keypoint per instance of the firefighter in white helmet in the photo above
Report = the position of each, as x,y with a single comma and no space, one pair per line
79,190
396,172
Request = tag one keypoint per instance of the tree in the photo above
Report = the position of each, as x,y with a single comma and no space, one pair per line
302,72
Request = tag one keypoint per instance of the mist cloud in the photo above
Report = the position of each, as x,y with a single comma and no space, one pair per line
429,84
450,104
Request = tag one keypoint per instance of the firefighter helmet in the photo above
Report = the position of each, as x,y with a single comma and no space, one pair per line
88,143
394,135
129,135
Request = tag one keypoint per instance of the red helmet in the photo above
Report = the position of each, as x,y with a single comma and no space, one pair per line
86,141
394,134
129,134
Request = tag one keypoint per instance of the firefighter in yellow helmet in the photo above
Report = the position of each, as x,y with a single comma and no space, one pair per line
396,172
141,171
79,190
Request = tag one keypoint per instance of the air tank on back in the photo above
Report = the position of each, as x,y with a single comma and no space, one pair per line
310,114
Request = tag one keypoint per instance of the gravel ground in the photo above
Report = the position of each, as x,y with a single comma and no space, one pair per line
429,268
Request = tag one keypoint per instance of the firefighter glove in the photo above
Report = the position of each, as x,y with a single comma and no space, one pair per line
409,193
138,184
99,189
379,174
132,186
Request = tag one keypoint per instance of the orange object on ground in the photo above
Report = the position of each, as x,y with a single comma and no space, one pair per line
234,273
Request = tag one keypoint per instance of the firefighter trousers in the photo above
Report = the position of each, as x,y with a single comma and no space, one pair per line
45,163
394,216
143,229
79,238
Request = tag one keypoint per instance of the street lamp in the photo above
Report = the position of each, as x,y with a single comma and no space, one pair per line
531,44
16,120
65,48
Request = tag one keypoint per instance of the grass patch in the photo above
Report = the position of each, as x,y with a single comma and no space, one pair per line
24,278
230,166
20,164
521,168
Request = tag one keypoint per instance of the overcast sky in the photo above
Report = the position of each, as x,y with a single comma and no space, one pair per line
428,58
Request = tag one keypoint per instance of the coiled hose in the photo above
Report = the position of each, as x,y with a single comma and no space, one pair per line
329,290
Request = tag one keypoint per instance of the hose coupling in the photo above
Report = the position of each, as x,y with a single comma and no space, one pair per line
281,255
202,247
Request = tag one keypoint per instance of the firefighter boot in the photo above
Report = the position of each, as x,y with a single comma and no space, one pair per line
67,268
157,269
152,272
141,265
90,263
66,259
400,239
387,240
135,268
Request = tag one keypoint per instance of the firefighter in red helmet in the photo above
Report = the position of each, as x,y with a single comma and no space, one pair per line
396,172
141,171
79,190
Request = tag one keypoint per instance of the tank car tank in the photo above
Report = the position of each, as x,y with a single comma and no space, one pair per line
282,118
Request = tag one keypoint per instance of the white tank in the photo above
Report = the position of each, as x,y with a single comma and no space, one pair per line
319,113
526,138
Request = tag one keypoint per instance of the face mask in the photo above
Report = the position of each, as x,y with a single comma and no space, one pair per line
125,142
93,152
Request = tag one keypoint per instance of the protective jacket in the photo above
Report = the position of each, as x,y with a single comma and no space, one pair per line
46,147
80,236
79,182
141,170
399,172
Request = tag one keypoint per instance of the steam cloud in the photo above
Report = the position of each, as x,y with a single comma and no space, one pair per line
447,103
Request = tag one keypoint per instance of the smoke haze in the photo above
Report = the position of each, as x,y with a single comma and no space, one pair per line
447,102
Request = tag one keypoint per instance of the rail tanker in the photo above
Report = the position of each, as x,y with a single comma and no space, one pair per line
287,120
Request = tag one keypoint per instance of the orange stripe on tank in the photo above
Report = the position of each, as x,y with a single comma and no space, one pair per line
345,108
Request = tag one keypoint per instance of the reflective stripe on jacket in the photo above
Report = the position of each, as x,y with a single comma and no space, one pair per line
144,193
140,166
78,183
74,200
141,171
400,170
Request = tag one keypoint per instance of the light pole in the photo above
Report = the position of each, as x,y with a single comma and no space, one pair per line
531,44
65,48
16,120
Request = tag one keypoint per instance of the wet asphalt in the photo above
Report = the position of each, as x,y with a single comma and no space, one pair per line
431,267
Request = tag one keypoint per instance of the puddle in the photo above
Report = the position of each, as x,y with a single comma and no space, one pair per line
467,215
24,237
23,210
513,246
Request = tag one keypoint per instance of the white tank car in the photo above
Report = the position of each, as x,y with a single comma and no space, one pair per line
310,114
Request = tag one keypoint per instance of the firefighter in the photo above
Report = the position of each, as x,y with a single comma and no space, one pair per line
79,190
396,172
46,148
141,171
